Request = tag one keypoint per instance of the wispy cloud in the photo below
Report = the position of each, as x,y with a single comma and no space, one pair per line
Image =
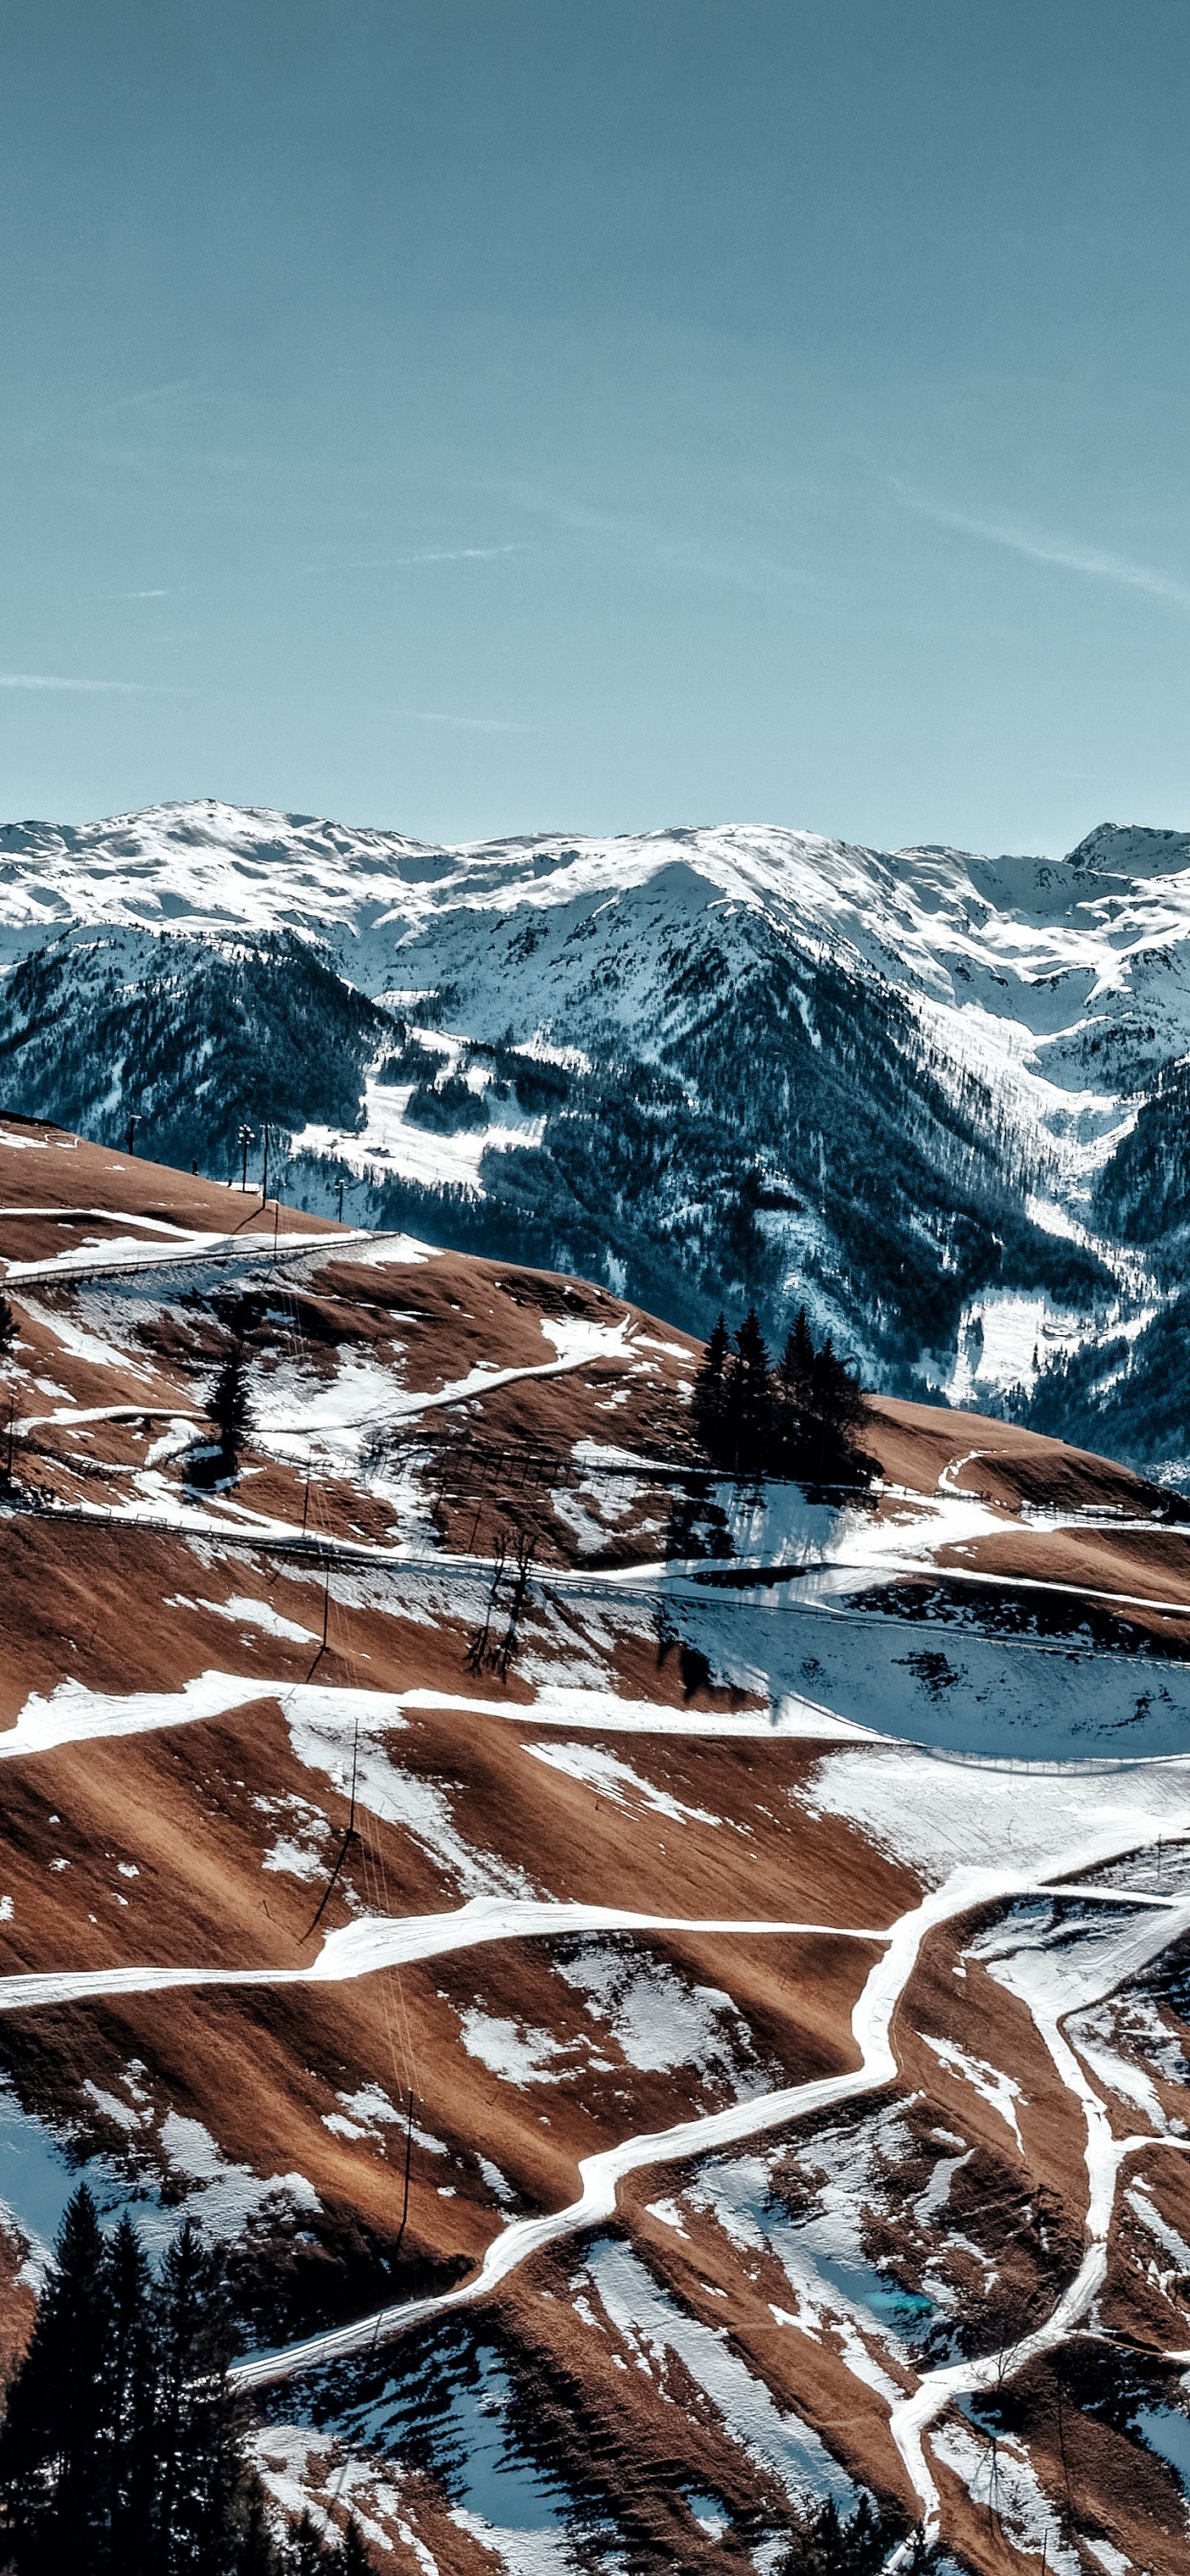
457,554
405,563
136,594
1064,553
142,400
51,680
674,554
466,724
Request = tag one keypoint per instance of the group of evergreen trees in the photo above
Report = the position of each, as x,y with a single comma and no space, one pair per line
122,2447
828,2546
798,1419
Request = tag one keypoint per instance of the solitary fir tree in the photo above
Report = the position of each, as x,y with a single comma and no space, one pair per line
229,1404
711,1389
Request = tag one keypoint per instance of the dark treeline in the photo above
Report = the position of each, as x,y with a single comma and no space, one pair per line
122,2449
799,1419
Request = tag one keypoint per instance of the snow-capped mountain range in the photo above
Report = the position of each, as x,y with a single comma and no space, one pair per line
939,1096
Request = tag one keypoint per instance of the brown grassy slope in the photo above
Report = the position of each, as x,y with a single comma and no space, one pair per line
211,1843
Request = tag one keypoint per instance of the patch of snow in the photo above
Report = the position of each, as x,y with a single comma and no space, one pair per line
511,2049
841,2299
244,1609
990,2082
322,1733
73,1714
1095,2035
1006,2482
651,2326
497,2183
669,2214
617,1781
1107,2556
1140,2202
390,1145
227,2198
662,2020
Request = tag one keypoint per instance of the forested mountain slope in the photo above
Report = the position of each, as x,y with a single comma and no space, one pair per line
940,1098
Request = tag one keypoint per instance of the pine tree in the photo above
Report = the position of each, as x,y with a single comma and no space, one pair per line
356,2561
228,1404
200,2467
309,2554
8,1326
54,2439
828,2546
797,1360
709,1399
835,1398
259,2555
752,1391
129,2400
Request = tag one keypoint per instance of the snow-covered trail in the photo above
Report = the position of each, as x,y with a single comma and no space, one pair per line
62,1215
871,2022
67,1415
361,1949
73,1714
89,1261
857,1572
479,1381
612,1346
1104,2156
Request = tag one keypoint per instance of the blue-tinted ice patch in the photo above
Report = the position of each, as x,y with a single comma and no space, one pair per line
1167,2432
40,2173
38,2177
836,2292
451,2411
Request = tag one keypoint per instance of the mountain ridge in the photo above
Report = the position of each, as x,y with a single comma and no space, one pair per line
932,1095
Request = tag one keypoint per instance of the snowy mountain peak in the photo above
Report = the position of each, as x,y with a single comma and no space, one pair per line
1133,850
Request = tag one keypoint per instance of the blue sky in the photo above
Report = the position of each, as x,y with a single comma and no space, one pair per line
484,415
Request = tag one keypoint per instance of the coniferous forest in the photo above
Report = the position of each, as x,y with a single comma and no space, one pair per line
122,2448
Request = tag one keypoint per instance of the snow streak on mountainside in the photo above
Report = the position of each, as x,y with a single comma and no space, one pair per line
941,1097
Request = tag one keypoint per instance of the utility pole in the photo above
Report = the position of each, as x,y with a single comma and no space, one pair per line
341,1187
264,1178
134,1122
246,1137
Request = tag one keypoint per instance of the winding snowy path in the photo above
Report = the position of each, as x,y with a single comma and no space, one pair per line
871,2024
361,1949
